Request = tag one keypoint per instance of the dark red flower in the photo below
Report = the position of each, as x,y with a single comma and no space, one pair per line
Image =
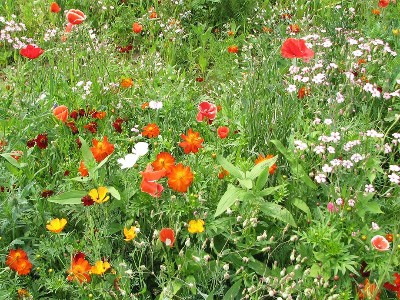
99,115
82,112
296,48
117,125
78,141
92,127
42,141
87,200
31,143
199,79
47,193
125,49
72,126
31,51
66,173
74,114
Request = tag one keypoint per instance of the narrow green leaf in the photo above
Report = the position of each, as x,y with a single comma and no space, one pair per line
300,204
257,169
262,179
282,150
71,197
233,291
277,211
112,190
270,190
13,161
234,171
88,158
231,195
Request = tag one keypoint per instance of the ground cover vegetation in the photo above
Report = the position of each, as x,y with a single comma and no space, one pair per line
200,149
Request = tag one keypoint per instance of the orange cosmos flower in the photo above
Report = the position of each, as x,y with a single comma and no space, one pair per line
55,8
261,158
126,82
295,28
101,150
145,105
192,142
223,173
164,161
167,236
80,268
83,170
389,237
152,13
61,113
151,130
303,91
100,267
233,49
367,291
376,12
18,261
149,184
56,225
180,178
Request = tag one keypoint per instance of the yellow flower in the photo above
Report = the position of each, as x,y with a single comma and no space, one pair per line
56,225
130,233
99,195
396,31
196,226
100,267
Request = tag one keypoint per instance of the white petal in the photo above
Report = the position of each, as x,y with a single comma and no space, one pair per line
128,161
141,149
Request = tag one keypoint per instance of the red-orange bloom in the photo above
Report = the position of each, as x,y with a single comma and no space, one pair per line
376,12
223,132
18,261
164,161
296,48
80,268
75,16
367,291
261,158
92,127
295,28
99,115
180,178
137,28
167,236
303,91
380,243
149,184
192,142
233,49
55,8
61,113
42,141
31,51
151,130
395,287
101,150
83,170
383,3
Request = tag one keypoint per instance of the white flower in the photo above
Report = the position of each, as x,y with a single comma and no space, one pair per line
326,168
394,168
375,226
369,188
155,104
291,88
328,121
130,159
141,148
394,178
320,178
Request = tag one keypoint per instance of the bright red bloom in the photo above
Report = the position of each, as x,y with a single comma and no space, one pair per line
83,170
383,3
395,286
80,268
92,127
180,178
207,111
61,113
151,130
55,8
223,132
233,49
137,28
75,16
167,236
18,261
149,184
303,91
101,150
192,142
380,243
223,173
164,161
261,158
42,141
296,48
31,51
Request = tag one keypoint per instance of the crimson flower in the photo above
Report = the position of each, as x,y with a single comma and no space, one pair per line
394,287
167,236
31,51
296,48
117,124
206,110
42,141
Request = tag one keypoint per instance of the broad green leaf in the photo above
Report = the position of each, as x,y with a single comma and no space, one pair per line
12,160
300,204
262,179
234,171
233,291
257,169
176,286
114,192
71,197
277,211
80,179
88,158
246,183
231,195
270,190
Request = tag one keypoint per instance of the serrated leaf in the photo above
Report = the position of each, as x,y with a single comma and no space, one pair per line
230,196
71,197
300,204
278,212
233,291
257,169
234,171
112,190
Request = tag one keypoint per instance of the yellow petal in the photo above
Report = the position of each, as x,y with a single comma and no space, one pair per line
93,194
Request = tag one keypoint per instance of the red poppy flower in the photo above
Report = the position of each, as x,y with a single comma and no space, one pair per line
137,28
55,8
380,243
164,161
101,150
117,125
395,286
31,51
151,130
61,113
167,236
296,48
207,111
42,141
383,3
192,142
149,184
223,132
80,268
180,178
233,49
75,16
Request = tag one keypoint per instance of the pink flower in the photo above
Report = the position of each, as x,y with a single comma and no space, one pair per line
331,207
380,243
206,110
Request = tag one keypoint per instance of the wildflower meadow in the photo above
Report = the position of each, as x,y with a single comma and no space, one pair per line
200,149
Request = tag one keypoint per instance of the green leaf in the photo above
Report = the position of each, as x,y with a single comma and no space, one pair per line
234,171
192,280
363,205
262,179
71,197
233,291
300,204
277,211
282,150
114,192
246,183
270,190
12,160
88,158
257,169
231,195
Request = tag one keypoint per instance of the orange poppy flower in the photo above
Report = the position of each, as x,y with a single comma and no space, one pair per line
80,269
376,12
151,130
167,236
149,184
137,28
233,49
101,150
18,261
61,113
75,16
164,161
261,158
192,142
180,178
126,82
55,8
83,170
